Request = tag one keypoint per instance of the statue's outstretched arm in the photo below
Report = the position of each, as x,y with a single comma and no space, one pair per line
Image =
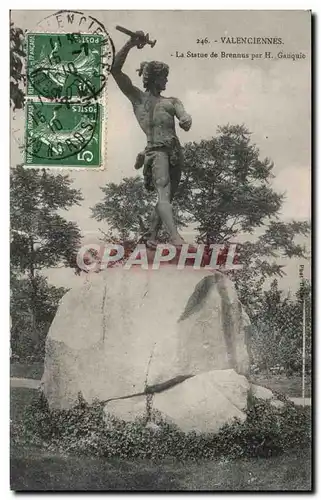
123,81
185,120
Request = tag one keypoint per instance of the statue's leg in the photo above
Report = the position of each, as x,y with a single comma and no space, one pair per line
162,183
156,221
155,225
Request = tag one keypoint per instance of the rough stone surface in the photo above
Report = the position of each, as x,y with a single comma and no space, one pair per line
261,392
126,330
202,403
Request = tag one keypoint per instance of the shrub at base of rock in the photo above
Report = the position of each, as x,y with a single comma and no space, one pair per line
84,429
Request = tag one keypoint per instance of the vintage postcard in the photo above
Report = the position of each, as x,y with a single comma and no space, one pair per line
160,196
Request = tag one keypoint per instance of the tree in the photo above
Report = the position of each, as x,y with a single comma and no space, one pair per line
259,259
226,190
277,329
17,77
32,315
40,237
227,185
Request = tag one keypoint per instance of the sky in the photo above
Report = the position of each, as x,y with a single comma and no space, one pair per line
270,96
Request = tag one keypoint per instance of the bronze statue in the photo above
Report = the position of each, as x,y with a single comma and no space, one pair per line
162,158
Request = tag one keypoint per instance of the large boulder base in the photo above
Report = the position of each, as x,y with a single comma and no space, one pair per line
128,331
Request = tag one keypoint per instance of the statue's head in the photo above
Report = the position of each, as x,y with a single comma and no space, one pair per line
154,74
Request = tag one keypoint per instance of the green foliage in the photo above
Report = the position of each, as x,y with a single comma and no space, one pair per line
268,430
85,429
33,307
277,329
125,207
259,258
17,77
40,238
228,185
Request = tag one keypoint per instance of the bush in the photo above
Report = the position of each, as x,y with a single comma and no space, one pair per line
276,335
85,429
31,316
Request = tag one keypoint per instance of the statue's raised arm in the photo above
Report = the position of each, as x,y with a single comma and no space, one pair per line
123,81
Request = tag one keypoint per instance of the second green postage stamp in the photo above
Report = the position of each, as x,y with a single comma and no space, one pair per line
63,134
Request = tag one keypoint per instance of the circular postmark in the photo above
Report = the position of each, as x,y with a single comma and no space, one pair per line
69,56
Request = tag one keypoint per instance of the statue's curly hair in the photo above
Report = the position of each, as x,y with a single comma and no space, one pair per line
151,71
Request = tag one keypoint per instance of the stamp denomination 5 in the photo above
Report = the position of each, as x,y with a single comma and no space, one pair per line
63,134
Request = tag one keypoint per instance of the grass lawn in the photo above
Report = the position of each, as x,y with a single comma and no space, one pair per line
291,386
25,370
36,469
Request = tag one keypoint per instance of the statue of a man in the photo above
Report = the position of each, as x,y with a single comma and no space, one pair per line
162,158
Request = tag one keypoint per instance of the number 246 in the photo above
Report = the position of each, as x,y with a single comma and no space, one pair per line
202,40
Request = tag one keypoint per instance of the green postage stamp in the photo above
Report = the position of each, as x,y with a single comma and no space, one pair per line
63,134
65,65
66,82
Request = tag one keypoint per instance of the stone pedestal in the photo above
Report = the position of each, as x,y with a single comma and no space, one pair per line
177,334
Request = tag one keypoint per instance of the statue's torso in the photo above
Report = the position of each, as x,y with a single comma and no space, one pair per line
155,116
